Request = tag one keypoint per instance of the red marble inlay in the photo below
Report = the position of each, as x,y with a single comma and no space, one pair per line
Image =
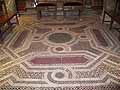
36,37
59,60
59,49
74,60
48,60
20,39
60,28
83,36
100,37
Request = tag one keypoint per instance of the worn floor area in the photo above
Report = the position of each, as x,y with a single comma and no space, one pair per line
60,54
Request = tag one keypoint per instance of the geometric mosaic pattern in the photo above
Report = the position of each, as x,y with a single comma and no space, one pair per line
60,54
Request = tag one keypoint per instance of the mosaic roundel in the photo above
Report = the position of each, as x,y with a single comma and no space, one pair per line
59,48
60,37
59,75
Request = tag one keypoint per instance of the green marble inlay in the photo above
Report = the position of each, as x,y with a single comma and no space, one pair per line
60,37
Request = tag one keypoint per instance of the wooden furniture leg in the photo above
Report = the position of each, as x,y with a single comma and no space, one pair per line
111,23
40,14
103,17
119,35
79,13
17,21
1,38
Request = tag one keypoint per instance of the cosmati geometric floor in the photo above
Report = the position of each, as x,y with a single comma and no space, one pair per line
60,54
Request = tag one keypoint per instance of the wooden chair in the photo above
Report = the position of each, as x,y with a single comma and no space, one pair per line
5,19
46,6
113,13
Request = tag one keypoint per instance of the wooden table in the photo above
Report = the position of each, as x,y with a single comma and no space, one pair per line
5,19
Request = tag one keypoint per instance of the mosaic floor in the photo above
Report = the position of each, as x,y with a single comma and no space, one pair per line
60,54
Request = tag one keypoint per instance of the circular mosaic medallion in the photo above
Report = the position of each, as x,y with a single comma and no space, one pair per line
60,37
59,75
60,49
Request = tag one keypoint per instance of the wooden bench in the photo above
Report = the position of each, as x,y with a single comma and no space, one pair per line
45,6
60,6
5,19
73,6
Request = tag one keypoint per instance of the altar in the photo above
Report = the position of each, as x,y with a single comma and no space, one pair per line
59,7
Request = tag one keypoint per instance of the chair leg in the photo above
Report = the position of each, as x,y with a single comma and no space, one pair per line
64,13
111,23
17,19
119,36
79,13
1,36
103,17
39,14
55,12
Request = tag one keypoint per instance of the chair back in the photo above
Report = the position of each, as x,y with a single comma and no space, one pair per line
109,5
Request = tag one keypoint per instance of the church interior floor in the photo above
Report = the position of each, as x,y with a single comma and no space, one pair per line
60,54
